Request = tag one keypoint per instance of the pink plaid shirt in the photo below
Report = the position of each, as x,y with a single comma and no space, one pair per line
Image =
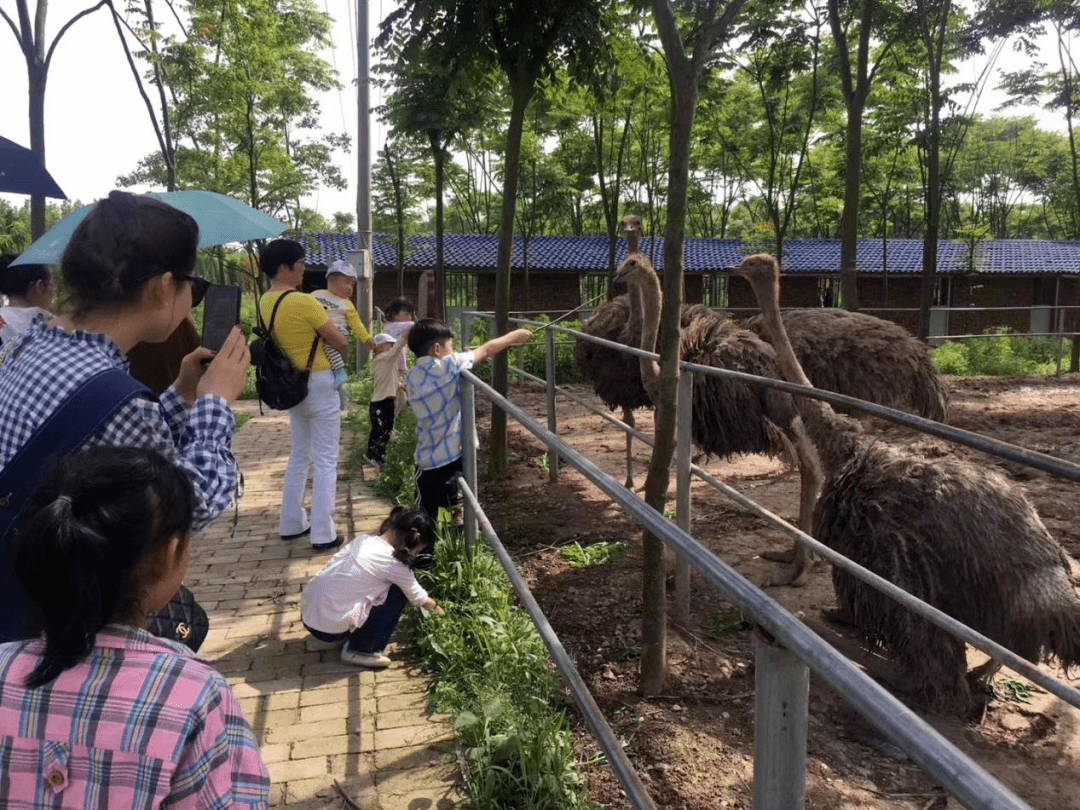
141,723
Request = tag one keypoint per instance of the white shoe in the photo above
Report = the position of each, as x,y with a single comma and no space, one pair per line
373,660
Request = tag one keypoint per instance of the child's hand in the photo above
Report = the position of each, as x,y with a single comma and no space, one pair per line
519,337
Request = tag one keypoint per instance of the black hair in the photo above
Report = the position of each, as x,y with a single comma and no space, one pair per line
425,333
123,242
417,530
84,549
400,304
279,252
19,279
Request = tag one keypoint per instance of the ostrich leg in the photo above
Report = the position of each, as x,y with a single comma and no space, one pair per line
810,479
628,420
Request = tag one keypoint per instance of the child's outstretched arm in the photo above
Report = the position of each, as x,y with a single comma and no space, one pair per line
519,337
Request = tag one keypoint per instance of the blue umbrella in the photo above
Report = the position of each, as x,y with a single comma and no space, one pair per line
22,173
221,219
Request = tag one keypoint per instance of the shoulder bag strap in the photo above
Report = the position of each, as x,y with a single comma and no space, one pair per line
270,330
66,429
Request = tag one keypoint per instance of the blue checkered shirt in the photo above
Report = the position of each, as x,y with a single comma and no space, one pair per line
435,397
42,367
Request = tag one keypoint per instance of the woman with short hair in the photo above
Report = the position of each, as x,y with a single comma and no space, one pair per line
31,292
302,328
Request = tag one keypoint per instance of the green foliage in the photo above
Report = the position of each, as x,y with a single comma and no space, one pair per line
1003,355
596,554
1018,691
722,624
491,672
241,419
242,81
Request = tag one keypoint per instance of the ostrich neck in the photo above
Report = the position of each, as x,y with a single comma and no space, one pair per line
634,321
646,291
633,241
831,434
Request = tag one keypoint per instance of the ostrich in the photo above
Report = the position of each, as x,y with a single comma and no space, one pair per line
728,416
847,352
615,375
955,534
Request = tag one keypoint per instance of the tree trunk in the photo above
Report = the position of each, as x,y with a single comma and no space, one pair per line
849,219
522,89
37,77
440,273
933,201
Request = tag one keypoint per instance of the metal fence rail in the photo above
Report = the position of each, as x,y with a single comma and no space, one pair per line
924,609
780,700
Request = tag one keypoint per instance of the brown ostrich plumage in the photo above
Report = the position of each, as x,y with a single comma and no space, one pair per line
613,374
864,357
957,535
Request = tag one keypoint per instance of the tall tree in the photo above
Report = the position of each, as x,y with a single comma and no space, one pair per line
707,23
858,21
30,34
241,84
528,40
439,92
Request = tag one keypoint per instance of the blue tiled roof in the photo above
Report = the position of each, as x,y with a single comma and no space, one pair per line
589,254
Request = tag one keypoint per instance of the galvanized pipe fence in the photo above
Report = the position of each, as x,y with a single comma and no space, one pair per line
684,469
784,655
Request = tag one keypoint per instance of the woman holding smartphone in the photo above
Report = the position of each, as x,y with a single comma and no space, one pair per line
128,272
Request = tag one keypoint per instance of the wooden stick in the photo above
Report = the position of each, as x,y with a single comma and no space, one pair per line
571,312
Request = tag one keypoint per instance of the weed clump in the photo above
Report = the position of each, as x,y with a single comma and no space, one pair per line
999,355
491,672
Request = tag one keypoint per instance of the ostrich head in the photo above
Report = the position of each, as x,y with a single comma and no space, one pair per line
631,223
763,273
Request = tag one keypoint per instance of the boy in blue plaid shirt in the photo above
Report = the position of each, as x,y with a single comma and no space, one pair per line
434,388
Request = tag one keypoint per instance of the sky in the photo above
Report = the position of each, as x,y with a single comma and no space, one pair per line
96,126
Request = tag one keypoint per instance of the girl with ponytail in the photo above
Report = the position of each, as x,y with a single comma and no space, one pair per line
104,542
356,600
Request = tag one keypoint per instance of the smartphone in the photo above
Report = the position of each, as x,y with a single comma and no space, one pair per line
221,312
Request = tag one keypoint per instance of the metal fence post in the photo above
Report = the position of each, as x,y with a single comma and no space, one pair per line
553,457
683,439
521,365
466,330
782,685
468,454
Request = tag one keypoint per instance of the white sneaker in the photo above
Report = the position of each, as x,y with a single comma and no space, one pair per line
373,660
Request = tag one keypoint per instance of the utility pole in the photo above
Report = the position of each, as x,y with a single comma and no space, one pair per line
365,282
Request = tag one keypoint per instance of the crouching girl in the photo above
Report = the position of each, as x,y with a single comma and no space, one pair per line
357,599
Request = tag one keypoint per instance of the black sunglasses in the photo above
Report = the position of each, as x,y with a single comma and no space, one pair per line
199,286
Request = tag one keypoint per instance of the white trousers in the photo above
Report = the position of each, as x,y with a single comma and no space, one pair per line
316,433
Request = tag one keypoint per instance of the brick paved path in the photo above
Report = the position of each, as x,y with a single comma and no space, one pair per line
319,721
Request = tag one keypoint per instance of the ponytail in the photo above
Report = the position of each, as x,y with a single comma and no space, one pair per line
416,530
85,547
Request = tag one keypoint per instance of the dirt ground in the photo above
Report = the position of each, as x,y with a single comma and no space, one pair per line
693,746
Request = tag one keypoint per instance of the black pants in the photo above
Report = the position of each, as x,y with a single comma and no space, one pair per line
382,422
438,487
374,634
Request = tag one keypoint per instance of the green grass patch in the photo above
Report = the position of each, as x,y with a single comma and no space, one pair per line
1018,691
490,671
722,624
581,556
241,419
1002,355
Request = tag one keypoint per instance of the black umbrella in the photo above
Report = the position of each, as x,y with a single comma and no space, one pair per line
22,173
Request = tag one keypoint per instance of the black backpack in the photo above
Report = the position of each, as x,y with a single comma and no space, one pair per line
279,384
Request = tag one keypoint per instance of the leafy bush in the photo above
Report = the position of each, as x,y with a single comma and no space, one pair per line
1002,355
491,673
